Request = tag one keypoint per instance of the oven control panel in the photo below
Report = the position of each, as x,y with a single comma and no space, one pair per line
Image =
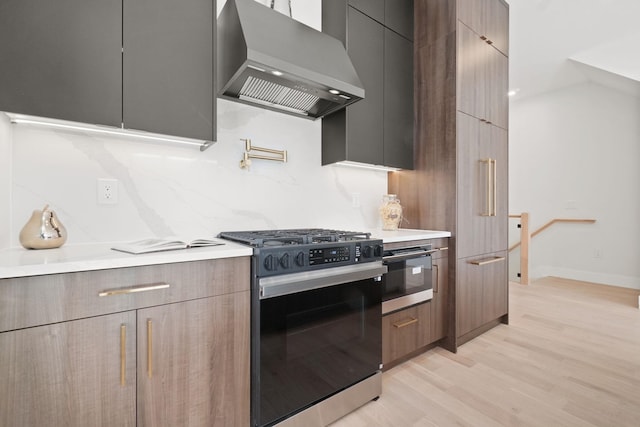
329,255
297,258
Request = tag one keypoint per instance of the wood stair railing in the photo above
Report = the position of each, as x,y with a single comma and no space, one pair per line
525,239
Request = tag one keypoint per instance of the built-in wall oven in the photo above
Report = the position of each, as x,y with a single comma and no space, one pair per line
316,325
409,279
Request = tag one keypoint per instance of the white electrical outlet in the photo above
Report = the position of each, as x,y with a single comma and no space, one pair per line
355,200
107,191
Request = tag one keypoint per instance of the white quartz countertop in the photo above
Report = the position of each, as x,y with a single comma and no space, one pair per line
406,234
19,262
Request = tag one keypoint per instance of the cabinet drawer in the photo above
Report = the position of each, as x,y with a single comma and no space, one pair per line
482,291
39,300
405,331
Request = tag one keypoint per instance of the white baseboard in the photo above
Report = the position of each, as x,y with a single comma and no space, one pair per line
586,276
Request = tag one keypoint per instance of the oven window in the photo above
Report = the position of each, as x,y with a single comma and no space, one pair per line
407,277
316,343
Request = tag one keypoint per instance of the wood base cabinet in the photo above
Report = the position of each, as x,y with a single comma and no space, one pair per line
480,295
164,345
191,362
440,301
78,373
405,331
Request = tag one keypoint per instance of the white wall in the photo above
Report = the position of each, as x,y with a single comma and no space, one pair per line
175,190
580,144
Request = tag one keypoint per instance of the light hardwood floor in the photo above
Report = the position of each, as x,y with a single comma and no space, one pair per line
569,357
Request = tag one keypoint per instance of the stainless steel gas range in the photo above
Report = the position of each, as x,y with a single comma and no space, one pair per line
316,340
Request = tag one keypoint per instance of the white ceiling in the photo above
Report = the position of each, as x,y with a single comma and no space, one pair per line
558,43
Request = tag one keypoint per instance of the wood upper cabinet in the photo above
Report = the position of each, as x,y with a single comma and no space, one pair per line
482,176
168,67
62,59
142,64
489,19
482,79
77,373
193,365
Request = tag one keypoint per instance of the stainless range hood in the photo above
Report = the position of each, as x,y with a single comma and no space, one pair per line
269,60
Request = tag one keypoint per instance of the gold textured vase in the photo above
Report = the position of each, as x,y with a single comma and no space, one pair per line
390,212
43,231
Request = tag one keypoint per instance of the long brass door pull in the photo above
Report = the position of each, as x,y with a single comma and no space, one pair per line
134,289
123,354
411,321
488,260
492,187
149,348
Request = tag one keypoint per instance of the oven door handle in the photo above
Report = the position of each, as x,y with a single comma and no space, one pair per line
298,282
409,255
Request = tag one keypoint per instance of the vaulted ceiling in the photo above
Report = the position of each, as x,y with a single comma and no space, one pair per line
558,43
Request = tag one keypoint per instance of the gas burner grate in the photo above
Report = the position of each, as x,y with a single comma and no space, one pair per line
272,238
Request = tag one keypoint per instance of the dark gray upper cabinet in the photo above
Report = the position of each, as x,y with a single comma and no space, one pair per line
398,101
379,129
62,59
356,133
142,64
398,16
374,9
168,67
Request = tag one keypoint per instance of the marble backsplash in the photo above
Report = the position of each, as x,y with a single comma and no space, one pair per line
166,189
172,190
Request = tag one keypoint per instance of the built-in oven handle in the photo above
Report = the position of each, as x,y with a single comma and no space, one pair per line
409,255
298,282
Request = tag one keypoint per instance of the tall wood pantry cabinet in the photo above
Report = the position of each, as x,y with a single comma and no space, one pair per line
461,154
160,345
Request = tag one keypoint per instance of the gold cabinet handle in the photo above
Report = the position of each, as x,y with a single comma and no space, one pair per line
435,285
123,354
408,322
492,187
487,210
444,248
134,289
495,187
488,260
149,348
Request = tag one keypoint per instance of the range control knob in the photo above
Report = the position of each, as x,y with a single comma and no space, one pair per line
300,259
367,251
284,261
270,262
377,250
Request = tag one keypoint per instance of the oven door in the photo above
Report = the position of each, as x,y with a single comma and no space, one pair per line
315,342
409,280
